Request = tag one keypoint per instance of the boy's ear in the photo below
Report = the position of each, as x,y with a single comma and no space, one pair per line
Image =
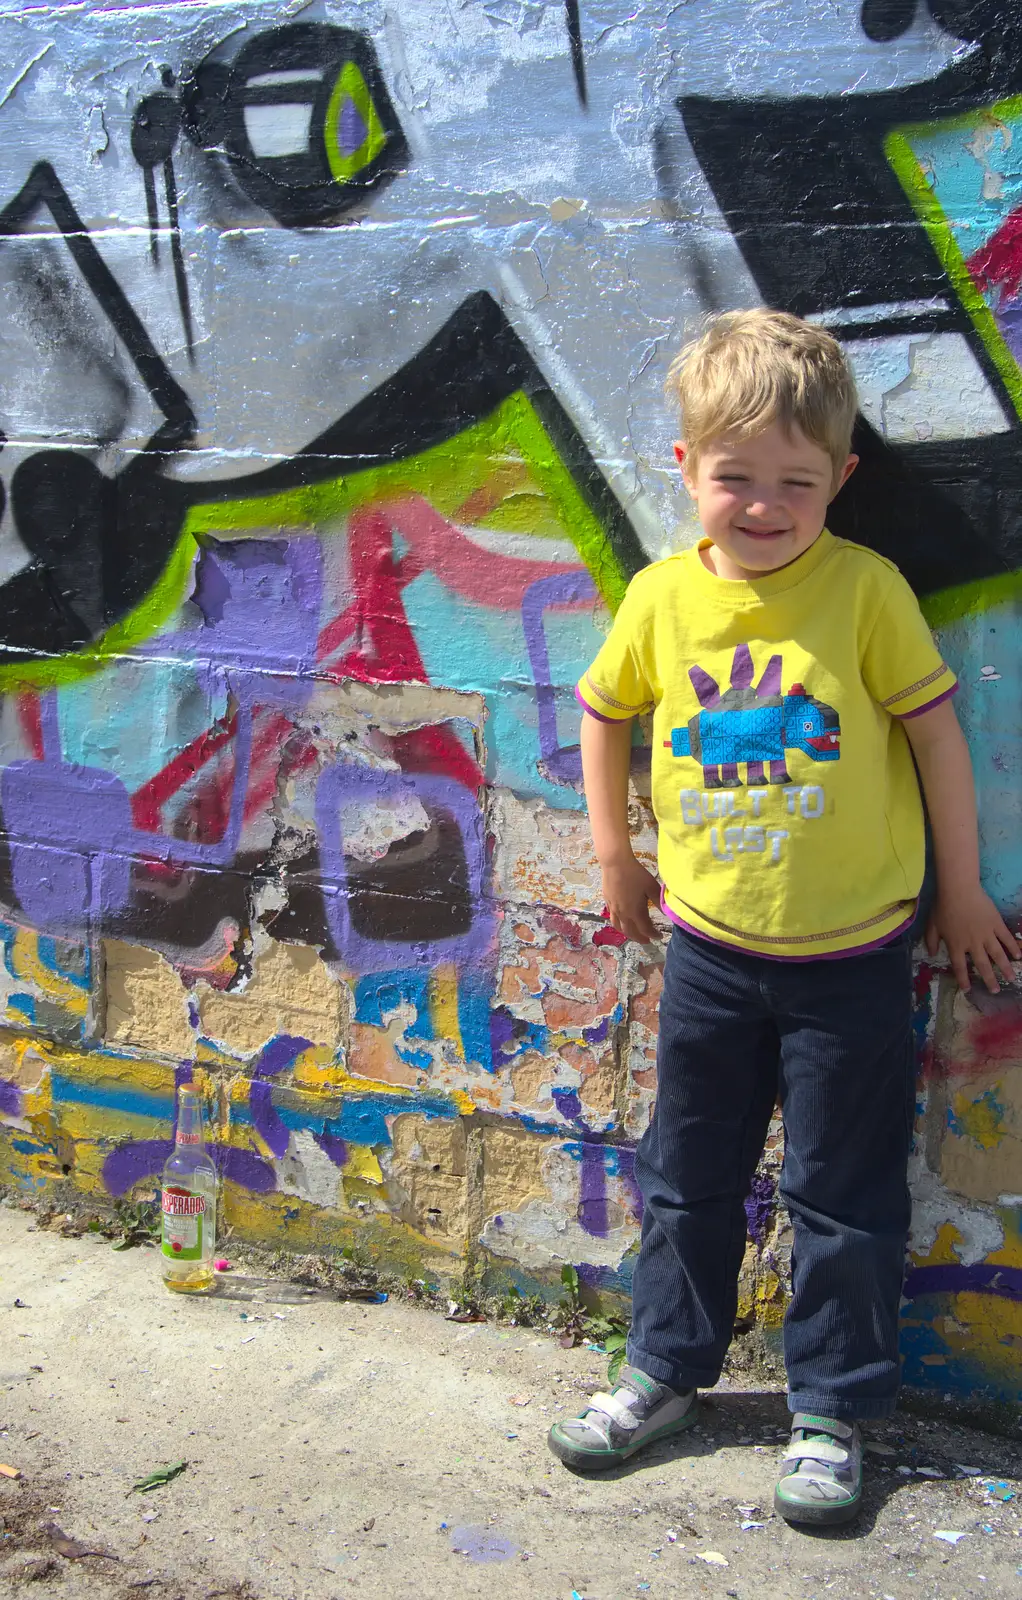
681,457
846,472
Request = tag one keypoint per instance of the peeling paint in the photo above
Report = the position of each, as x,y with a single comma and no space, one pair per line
980,1120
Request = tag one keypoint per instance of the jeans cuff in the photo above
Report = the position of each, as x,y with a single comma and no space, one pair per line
675,1374
843,1409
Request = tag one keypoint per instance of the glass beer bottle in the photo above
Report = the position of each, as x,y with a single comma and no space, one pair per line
188,1204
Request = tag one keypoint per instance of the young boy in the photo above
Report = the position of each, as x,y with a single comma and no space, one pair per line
792,680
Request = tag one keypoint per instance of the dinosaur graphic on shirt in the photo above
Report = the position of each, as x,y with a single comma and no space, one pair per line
754,726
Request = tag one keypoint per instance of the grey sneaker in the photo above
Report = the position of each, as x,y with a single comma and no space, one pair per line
613,1426
822,1481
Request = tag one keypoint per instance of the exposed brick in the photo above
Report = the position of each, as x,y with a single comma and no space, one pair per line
291,991
146,1002
427,1165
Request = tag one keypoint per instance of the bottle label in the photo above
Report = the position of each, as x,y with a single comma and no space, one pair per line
183,1214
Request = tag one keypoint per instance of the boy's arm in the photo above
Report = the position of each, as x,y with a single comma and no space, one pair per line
963,915
627,886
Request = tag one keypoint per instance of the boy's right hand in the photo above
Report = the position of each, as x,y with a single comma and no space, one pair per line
628,890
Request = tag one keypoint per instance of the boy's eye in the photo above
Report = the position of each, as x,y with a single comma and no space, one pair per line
798,483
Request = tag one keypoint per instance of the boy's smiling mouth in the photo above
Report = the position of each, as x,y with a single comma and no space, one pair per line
761,498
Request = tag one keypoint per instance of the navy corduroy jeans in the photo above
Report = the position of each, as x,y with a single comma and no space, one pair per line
832,1040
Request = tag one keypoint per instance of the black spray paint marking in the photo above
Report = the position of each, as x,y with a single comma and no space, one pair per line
578,60
44,188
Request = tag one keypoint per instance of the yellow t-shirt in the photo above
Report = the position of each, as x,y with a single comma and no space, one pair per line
790,817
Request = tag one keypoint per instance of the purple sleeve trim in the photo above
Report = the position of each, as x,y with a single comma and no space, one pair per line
905,716
614,721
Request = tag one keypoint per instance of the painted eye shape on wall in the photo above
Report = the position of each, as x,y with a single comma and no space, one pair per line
304,118
807,727
883,21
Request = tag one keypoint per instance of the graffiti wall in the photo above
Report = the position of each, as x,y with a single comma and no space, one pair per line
333,430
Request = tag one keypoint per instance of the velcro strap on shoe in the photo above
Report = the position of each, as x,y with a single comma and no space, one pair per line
615,1409
596,1425
831,1425
816,1450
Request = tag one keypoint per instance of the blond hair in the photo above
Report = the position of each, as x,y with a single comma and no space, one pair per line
750,369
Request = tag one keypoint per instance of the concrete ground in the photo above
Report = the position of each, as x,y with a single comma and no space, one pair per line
337,1448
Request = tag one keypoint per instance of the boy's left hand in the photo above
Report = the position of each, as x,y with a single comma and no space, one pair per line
973,929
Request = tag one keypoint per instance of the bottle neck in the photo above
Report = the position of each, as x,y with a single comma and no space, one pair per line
189,1118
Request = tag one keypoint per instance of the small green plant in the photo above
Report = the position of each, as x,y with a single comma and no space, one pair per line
465,1299
569,1315
357,1266
612,1333
356,1258
418,1290
506,1306
520,1310
138,1221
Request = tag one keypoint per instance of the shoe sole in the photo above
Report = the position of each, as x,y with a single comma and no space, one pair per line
574,1455
817,1515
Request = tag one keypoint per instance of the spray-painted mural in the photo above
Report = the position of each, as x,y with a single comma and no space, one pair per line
333,432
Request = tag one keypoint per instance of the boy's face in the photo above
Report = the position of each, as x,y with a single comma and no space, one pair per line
761,500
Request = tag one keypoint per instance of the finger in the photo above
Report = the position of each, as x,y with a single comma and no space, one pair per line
623,918
960,968
981,961
999,957
1008,940
653,888
642,928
